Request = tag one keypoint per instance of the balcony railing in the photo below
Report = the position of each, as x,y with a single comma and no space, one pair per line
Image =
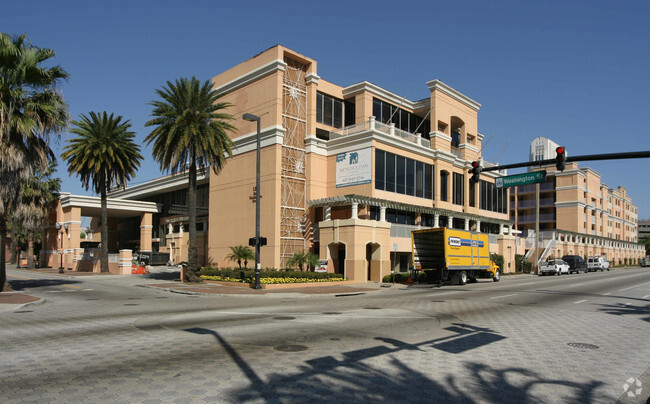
373,125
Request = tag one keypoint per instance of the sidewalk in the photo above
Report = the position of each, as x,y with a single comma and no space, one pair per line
167,280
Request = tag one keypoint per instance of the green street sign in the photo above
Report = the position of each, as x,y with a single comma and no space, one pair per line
521,179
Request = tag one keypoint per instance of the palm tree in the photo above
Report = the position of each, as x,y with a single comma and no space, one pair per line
191,132
240,253
302,258
31,108
105,155
39,196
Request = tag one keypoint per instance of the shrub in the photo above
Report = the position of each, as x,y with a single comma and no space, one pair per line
267,275
521,265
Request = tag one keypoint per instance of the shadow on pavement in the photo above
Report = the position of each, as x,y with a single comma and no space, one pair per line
22,284
351,377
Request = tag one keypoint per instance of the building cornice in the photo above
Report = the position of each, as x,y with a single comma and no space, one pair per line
276,65
271,135
455,94
401,102
312,78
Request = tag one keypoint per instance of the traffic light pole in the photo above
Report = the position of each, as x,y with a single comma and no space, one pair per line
587,157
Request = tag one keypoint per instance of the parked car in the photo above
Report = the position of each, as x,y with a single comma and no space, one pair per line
554,267
597,263
576,263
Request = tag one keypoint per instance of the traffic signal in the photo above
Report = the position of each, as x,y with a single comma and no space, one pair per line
560,158
251,241
475,171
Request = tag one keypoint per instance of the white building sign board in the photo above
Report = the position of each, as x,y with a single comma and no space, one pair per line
354,168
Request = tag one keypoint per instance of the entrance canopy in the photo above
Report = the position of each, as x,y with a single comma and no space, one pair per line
119,208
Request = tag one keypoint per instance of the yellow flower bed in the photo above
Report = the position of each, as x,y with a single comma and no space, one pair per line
296,280
220,278
270,280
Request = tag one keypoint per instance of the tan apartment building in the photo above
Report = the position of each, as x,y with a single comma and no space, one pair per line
579,215
346,173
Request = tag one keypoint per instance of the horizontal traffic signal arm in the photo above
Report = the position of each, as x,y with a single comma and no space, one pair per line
587,157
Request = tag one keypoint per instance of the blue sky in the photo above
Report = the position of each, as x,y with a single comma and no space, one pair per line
573,71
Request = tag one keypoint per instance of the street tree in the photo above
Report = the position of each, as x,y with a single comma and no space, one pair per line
32,109
190,133
105,156
303,258
39,195
240,253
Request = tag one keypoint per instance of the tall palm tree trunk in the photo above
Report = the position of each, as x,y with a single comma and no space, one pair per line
30,252
103,262
193,252
3,240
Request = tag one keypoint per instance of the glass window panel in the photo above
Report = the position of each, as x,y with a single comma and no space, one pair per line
338,114
443,185
380,168
319,107
419,179
327,111
401,173
410,177
390,172
376,109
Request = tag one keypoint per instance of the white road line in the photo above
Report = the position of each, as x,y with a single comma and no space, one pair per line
607,294
632,287
580,301
527,283
575,284
645,297
499,297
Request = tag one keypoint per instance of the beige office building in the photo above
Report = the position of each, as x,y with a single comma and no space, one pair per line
579,215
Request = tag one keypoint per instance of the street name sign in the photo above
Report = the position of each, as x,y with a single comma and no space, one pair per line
521,179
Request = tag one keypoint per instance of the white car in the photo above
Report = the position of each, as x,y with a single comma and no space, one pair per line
554,267
596,263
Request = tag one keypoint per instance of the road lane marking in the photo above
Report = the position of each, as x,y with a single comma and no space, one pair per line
72,286
576,284
579,301
607,294
527,283
632,287
645,297
499,297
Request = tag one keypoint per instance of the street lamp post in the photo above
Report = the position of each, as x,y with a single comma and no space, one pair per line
252,118
58,228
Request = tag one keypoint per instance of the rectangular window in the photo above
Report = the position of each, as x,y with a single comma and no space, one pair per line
387,113
472,194
380,169
443,185
419,179
410,177
350,112
401,174
459,189
329,110
428,181
390,172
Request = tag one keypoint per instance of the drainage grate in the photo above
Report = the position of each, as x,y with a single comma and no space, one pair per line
290,348
582,345
332,312
284,318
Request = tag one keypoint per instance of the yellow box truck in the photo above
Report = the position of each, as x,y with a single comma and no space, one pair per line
453,255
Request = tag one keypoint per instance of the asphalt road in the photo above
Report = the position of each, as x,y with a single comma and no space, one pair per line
575,338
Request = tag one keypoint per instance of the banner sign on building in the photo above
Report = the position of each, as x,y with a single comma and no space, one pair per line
353,168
